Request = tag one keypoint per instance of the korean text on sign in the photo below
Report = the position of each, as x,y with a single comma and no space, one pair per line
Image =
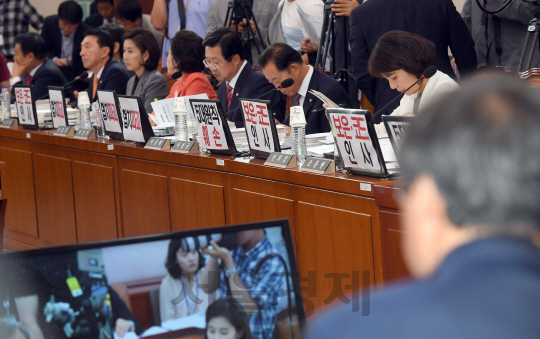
24,106
210,125
354,142
258,127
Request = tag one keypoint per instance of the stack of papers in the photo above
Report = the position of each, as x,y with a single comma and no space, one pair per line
197,321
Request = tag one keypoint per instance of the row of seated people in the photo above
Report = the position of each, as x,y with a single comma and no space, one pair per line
221,52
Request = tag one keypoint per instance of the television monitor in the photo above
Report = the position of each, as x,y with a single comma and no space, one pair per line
75,291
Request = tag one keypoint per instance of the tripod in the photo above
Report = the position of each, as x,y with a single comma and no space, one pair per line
534,26
328,35
238,10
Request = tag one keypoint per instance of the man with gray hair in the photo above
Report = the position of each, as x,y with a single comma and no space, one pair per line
471,176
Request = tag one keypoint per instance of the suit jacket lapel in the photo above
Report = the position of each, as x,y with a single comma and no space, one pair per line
103,75
142,82
309,100
238,87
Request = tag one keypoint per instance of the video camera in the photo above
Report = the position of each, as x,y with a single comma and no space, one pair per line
227,240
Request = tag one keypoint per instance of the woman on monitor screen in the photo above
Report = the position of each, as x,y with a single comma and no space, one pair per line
180,294
226,319
401,58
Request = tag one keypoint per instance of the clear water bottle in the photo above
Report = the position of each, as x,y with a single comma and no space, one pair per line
194,128
180,119
84,110
5,99
84,117
298,135
337,159
100,125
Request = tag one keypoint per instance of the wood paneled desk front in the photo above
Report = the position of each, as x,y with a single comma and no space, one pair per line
66,191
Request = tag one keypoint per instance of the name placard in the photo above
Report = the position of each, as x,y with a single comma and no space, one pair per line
281,160
318,166
65,131
58,107
9,123
258,128
85,134
185,147
158,143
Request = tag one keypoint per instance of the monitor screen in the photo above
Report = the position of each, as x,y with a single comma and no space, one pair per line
239,278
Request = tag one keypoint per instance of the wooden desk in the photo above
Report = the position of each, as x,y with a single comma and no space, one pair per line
3,205
66,191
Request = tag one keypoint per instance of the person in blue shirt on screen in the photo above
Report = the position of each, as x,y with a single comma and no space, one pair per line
254,275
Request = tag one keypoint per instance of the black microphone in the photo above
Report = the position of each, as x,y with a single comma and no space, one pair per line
428,73
175,75
284,84
81,76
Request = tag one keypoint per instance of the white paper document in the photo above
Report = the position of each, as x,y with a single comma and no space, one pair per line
309,26
324,99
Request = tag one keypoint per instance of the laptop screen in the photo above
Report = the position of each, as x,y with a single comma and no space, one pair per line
158,286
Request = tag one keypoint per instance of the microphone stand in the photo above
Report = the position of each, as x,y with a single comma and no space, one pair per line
399,96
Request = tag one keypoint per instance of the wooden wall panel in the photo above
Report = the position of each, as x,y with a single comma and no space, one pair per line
393,265
54,199
145,203
19,184
333,241
95,204
249,206
195,204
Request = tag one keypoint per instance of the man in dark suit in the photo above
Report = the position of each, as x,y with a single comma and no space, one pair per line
64,33
470,224
96,51
435,20
239,80
279,62
105,16
31,66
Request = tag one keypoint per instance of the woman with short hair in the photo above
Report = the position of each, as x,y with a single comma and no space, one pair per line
186,56
401,58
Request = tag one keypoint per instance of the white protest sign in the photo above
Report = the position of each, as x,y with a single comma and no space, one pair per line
23,102
258,129
131,116
210,125
107,108
355,144
58,112
190,115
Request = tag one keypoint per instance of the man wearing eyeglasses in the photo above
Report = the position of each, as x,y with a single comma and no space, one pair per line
223,50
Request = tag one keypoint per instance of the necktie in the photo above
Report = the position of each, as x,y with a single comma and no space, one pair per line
296,99
28,79
229,96
96,81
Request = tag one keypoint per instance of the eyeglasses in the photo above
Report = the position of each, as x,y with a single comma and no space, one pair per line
211,65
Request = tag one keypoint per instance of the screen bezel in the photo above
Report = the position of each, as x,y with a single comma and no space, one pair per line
285,232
